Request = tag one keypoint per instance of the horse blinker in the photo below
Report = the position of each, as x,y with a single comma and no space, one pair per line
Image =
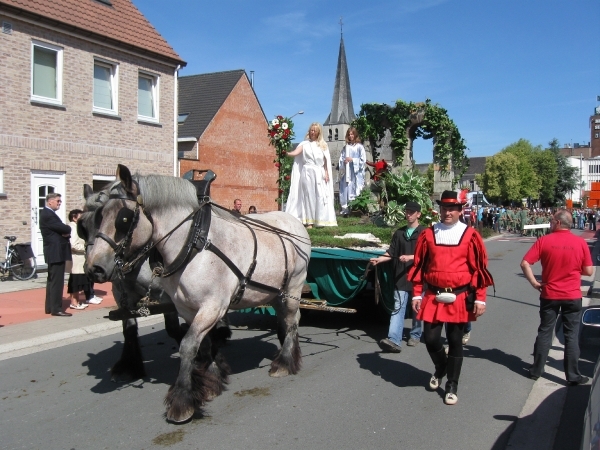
124,219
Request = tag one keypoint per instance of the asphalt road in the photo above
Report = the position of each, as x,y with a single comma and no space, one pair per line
348,395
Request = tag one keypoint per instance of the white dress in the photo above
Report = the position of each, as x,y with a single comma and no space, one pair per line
311,198
352,174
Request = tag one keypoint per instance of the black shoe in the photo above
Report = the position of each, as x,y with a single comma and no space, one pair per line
583,380
412,342
389,347
62,314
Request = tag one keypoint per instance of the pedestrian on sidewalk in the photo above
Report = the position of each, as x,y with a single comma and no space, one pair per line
451,259
564,258
78,280
401,253
57,250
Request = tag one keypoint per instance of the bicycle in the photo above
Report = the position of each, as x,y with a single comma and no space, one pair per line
19,261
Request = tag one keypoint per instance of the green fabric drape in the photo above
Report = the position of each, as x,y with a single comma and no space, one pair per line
334,275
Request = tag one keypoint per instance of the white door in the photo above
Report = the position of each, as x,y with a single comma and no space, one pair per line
42,184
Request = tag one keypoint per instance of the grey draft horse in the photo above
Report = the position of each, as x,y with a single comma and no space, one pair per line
272,249
127,293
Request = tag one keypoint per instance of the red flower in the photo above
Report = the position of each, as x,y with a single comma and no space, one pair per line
281,191
283,153
277,164
287,177
280,117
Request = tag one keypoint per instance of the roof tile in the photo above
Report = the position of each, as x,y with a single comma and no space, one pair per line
121,21
201,96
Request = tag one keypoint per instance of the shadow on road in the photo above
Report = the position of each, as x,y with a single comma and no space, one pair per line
396,372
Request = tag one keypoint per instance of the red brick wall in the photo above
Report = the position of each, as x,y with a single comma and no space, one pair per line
235,146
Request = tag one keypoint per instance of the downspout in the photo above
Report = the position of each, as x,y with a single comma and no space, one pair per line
176,121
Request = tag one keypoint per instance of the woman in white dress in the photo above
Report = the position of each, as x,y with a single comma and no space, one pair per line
311,191
352,169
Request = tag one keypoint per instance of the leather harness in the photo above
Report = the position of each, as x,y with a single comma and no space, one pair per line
197,241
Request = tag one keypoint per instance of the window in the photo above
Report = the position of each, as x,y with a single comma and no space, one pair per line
330,134
336,134
182,118
105,87
1,180
46,73
100,182
147,97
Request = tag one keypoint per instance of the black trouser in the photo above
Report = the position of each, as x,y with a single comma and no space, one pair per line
454,334
570,311
54,287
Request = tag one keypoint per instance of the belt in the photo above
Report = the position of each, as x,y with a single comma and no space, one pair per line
456,290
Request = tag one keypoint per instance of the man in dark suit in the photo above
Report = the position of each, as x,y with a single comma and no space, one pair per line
57,250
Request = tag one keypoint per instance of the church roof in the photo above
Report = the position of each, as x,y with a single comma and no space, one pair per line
342,111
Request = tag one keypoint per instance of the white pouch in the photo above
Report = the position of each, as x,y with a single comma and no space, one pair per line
445,297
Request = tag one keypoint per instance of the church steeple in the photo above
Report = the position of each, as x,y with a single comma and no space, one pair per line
342,111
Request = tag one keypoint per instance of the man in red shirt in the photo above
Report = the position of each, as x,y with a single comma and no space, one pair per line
564,258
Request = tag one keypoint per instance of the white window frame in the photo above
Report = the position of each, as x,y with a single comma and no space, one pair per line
155,96
1,180
59,73
114,87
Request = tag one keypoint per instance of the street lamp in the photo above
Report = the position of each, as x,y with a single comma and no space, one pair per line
299,112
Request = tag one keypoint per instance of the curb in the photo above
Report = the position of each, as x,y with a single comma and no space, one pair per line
62,338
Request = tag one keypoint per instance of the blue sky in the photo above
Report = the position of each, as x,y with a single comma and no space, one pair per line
504,70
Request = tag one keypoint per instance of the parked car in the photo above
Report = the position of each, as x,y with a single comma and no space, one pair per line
590,335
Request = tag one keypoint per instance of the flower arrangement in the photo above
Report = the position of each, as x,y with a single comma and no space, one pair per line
281,133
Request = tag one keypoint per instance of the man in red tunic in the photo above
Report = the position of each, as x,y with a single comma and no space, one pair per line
451,260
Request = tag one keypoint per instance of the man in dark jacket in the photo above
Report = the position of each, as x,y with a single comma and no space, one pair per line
57,250
401,252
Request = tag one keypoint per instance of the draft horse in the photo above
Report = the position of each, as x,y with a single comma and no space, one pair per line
213,262
130,290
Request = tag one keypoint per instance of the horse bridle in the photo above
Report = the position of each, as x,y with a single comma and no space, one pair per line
126,222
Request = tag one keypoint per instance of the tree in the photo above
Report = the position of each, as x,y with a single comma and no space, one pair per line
530,184
500,180
545,165
567,175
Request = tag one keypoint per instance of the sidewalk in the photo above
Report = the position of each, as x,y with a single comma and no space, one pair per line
25,328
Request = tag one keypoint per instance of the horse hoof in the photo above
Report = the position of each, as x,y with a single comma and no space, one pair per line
180,417
279,373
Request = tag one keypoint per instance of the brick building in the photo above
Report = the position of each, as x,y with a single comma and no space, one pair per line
223,127
86,84
595,132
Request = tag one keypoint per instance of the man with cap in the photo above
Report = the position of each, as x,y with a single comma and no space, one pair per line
450,258
401,253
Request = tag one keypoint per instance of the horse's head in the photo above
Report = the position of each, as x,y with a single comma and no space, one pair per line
117,229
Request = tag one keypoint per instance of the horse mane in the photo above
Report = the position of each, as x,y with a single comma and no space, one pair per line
165,192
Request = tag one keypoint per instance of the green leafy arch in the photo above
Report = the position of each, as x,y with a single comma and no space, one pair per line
408,121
